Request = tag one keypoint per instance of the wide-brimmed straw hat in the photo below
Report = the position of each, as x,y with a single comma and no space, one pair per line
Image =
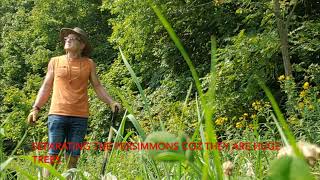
83,36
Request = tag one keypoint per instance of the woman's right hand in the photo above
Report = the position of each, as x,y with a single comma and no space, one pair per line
33,116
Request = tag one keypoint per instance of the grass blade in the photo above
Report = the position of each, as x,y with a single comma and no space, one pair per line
51,169
125,103
209,110
25,173
5,164
120,131
281,119
210,132
136,81
283,137
127,136
20,142
178,44
136,124
188,95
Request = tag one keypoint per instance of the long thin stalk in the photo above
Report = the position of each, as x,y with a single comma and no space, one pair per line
141,91
284,126
210,132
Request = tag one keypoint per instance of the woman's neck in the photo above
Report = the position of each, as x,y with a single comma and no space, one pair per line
73,55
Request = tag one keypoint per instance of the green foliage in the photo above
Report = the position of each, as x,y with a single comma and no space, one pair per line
304,40
238,63
29,38
302,103
149,49
289,168
247,45
164,146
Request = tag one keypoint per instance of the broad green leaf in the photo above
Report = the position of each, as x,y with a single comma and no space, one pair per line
169,156
290,168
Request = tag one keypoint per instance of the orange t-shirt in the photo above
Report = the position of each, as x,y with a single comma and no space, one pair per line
70,86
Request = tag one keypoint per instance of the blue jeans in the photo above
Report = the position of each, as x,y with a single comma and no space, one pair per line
66,128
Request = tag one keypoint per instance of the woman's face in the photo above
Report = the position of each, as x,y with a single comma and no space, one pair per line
73,43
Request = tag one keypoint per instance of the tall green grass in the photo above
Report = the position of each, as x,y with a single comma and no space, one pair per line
284,129
210,134
286,167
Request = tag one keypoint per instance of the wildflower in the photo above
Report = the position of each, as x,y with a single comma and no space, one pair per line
307,102
306,85
239,124
301,105
249,169
311,152
221,120
109,176
267,105
257,105
288,78
303,93
285,151
87,175
281,78
245,115
251,126
311,107
225,119
218,122
293,120
227,168
253,116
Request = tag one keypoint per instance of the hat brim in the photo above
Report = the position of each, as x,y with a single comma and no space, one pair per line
66,31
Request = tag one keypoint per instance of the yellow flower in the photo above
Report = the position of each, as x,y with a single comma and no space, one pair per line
281,78
301,105
239,124
293,120
221,120
267,105
288,78
303,93
245,115
251,126
306,85
253,116
311,107
256,105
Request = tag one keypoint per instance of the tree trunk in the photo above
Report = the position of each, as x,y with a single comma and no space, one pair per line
283,33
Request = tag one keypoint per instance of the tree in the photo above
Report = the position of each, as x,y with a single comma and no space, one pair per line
283,33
